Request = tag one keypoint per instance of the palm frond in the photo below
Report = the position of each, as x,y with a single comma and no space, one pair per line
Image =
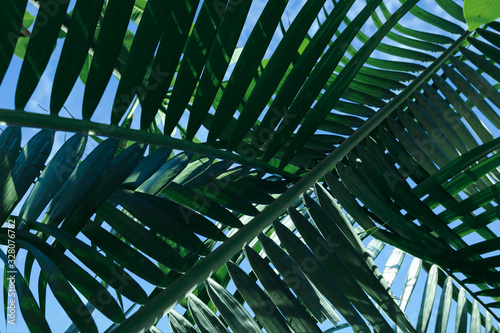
399,123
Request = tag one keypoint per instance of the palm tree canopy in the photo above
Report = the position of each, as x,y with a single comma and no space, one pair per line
240,169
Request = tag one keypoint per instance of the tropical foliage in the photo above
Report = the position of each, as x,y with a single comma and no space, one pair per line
237,189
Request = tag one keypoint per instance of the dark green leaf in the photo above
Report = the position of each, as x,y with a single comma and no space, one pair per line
179,324
113,274
42,41
26,168
75,50
159,221
472,95
486,66
201,204
218,59
298,319
246,67
144,45
80,181
90,288
265,310
181,214
141,238
353,260
62,290
335,91
435,20
10,28
124,254
106,52
172,43
196,52
147,167
301,69
165,174
320,277
206,320
326,255
53,176
316,82
232,311
275,70
30,310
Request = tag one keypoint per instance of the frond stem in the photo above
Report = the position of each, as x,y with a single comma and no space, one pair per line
37,120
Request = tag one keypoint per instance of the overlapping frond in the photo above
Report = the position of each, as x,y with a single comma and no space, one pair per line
317,87
322,257
251,124
156,216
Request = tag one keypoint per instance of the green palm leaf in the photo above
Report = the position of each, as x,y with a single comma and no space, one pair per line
312,116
